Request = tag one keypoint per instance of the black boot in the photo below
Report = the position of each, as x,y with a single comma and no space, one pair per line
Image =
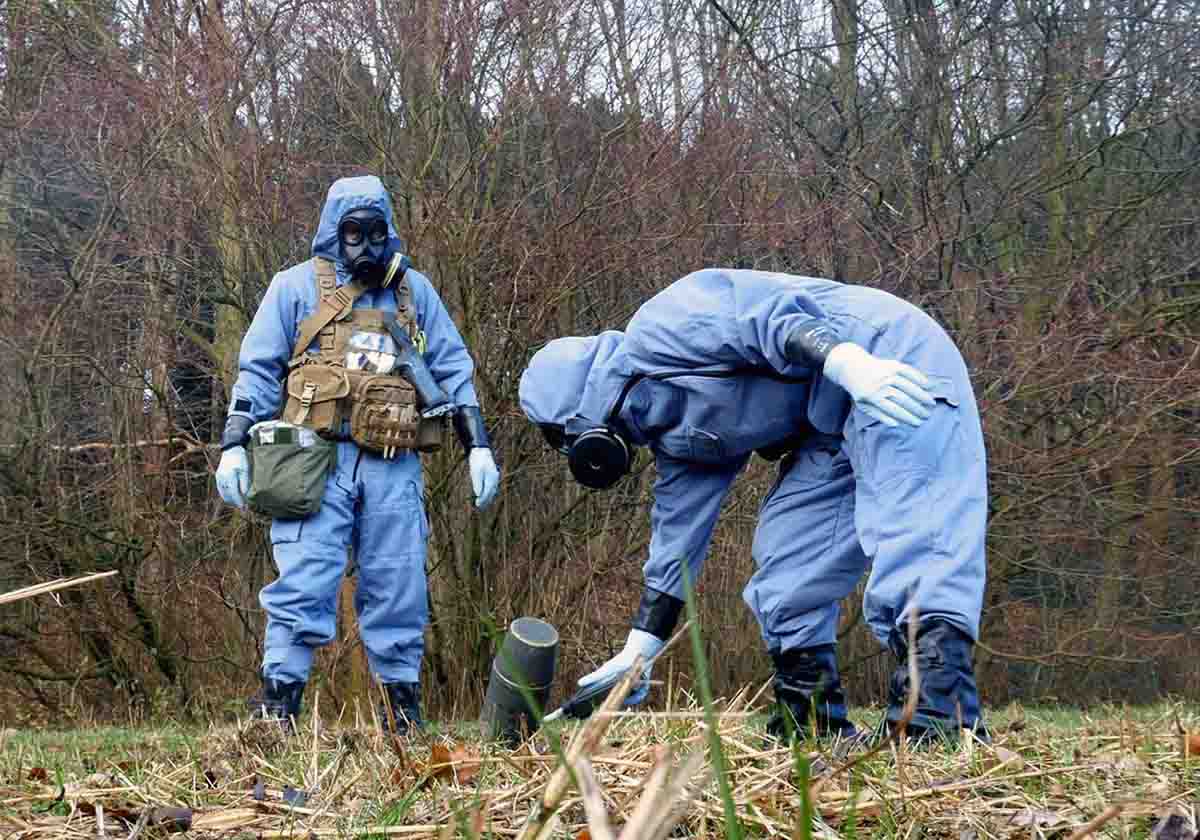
947,698
808,695
279,701
405,701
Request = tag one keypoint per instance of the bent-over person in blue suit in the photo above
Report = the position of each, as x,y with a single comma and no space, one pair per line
869,403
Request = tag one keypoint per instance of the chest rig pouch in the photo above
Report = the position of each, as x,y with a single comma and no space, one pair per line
350,382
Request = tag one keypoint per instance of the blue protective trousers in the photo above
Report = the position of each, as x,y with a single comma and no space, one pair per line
374,508
910,504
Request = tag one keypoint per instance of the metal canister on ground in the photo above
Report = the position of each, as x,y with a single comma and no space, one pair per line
523,669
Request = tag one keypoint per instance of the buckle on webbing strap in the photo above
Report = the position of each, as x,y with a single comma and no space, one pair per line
306,400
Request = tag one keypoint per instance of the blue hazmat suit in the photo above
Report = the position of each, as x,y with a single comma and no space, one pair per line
372,505
700,377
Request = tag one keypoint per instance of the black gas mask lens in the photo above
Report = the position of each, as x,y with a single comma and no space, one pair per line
353,231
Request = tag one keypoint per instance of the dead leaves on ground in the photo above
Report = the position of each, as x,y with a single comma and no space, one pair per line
167,819
1031,781
454,763
1002,758
1190,744
1036,818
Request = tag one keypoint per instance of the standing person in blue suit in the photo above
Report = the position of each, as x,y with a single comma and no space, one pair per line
357,348
883,467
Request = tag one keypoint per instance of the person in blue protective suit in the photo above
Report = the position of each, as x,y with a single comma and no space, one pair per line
324,352
869,404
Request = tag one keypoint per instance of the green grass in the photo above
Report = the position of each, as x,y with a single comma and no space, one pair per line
78,753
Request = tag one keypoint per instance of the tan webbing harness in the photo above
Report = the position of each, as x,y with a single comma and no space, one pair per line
322,393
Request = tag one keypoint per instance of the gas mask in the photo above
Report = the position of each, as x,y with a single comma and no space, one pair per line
598,458
363,243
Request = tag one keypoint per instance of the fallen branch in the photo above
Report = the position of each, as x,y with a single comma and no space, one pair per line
188,442
51,586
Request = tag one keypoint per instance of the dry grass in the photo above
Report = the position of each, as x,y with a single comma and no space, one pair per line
636,775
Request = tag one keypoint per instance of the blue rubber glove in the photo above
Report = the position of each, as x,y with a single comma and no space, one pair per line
233,476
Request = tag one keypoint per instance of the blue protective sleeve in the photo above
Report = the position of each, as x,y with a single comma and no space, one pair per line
266,348
723,319
687,500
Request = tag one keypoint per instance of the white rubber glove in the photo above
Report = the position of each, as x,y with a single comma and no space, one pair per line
890,391
233,476
639,642
485,477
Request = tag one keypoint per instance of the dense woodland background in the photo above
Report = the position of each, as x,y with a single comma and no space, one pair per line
1028,170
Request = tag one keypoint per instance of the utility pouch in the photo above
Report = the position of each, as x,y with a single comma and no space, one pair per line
430,432
288,469
313,391
384,417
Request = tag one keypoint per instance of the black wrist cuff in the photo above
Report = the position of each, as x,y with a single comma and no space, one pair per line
658,613
468,425
237,431
810,342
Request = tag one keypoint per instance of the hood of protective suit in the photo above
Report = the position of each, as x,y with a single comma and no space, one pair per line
346,194
574,382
